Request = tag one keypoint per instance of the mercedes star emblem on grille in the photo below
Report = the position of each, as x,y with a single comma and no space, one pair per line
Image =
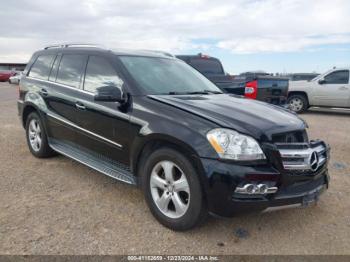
313,161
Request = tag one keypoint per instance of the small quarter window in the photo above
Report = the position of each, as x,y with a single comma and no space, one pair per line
41,67
55,68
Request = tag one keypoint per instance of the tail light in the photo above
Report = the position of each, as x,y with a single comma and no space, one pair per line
251,89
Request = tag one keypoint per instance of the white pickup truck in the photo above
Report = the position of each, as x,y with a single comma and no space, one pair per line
331,89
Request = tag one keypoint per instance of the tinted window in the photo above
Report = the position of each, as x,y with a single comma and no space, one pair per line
338,77
71,69
207,66
41,67
55,68
303,77
99,72
164,76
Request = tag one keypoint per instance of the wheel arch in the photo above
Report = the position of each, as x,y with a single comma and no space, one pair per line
299,93
28,108
154,142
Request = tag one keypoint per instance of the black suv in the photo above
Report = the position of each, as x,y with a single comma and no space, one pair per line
149,119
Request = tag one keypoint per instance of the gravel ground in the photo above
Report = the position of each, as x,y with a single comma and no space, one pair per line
58,206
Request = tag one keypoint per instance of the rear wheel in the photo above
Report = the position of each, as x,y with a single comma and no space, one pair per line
36,137
298,103
172,190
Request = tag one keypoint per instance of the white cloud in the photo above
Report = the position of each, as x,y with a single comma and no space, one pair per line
284,43
242,26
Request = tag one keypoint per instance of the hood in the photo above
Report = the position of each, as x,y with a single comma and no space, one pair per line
251,117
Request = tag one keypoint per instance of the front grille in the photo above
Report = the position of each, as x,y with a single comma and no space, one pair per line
303,156
291,137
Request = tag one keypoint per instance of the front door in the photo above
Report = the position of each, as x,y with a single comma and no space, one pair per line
104,125
333,90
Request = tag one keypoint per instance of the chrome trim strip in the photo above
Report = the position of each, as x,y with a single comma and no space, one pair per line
62,85
20,101
302,157
84,130
269,209
298,153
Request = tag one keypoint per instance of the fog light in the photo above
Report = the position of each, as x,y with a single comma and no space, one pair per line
254,189
249,188
262,188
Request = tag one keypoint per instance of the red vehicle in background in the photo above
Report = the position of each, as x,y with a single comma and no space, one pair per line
254,85
5,75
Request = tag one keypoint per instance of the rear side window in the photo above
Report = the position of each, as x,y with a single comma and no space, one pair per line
99,72
337,77
41,67
71,69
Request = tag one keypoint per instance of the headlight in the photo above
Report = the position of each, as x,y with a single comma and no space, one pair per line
230,144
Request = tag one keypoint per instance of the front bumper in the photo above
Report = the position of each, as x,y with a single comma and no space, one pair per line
294,189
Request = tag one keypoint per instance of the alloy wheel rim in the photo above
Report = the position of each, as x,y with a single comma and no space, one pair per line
296,104
170,189
34,134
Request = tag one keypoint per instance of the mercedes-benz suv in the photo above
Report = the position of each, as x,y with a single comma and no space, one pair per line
151,120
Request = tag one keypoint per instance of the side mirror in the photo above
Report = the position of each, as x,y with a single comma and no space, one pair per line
321,81
109,94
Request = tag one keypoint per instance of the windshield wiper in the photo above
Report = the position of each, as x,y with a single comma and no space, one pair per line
202,92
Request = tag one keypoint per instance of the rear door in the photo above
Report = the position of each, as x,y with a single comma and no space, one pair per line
66,83
105,124
333,90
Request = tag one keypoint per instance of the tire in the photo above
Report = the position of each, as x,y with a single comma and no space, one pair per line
298,103
174,212
35,132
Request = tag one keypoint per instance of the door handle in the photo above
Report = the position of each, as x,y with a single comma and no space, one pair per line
44,92
343,88
80,106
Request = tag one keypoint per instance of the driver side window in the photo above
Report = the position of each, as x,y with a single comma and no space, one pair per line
337,77
100,73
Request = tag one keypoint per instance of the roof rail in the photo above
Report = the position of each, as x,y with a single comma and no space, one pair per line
71,45
159,52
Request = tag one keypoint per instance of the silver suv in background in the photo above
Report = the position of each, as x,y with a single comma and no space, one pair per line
331,89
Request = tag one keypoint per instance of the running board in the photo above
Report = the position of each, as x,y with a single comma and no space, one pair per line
95,161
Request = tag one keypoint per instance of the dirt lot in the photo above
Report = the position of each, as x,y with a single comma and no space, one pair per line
57,206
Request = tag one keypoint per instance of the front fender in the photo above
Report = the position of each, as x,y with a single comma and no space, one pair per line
161,122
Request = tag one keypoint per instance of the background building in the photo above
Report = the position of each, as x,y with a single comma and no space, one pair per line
12,66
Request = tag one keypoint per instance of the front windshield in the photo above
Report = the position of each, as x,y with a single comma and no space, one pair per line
158,76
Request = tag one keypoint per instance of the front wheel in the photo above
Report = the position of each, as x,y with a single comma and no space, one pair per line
172,190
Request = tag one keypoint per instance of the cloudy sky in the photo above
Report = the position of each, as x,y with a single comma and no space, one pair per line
270,35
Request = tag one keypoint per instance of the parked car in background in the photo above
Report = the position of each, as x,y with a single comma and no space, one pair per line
302,76
5,75
151,120
331,89
255,85
16,78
